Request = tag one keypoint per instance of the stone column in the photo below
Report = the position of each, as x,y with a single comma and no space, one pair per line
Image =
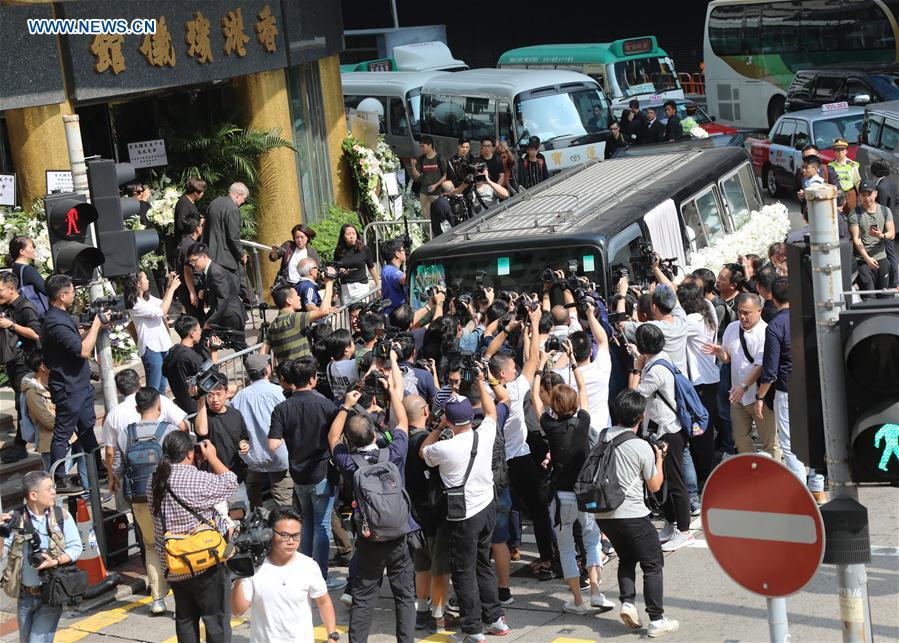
37,140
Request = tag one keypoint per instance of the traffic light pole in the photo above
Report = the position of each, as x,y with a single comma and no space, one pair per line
827,284
79,182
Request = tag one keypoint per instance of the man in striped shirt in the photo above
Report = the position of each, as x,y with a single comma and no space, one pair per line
287,333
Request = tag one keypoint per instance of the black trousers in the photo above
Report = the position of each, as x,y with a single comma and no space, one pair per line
635,540
677,504
474,580
74,414
371,559
16,372
702,448
874,279
204,596
524,477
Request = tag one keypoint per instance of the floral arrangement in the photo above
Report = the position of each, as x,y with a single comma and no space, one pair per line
764,227
369,166
124,349
698,132
14,222
162,208
152,260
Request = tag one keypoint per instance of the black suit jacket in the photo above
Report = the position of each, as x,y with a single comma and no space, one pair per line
654,133
221,232
222,296
674,131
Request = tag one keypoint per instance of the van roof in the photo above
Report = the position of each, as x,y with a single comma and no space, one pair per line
602,197
426,56
385,82
491,82
890,108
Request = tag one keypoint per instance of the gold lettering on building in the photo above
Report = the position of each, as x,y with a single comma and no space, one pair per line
266,31
157,47
235,37
107,49
196,35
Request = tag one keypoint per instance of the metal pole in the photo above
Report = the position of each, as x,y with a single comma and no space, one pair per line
778,628
79,181
827,286
396,20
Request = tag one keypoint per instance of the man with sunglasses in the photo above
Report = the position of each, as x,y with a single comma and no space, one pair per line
278,594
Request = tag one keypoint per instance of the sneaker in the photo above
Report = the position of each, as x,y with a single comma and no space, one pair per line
667,533
604,559
423,619
446,622
462,637
585,582
662,626
498,628
573,608
603,604
695,507
505,596
157,607
346,599
680,539
453,604
335,583
629,616
340,560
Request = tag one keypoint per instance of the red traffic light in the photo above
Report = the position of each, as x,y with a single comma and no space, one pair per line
69,219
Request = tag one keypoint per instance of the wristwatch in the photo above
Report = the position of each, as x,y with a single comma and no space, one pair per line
334,636
744,386
759,398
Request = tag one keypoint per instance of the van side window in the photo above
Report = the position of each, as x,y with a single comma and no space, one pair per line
828,87
399,124
873,125
702,216
889,137
370,103
623,246
504,120
481,116
739,192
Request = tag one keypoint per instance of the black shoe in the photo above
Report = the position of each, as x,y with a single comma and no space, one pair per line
505,596
66,488
340,560
13,453
423,620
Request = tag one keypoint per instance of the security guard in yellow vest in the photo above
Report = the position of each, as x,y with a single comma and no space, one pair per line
847,174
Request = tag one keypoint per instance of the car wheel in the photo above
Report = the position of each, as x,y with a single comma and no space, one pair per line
775,109
771,181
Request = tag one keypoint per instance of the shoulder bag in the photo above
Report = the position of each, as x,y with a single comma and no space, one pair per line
193,552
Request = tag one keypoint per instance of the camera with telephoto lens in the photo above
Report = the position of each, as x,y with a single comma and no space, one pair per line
644,262
524,307
619,271
329,271
228,337
553,344
474,172
16,523
464,299
460,208
111,310
480,292
549,276
206,378
382,349
377,307
249,545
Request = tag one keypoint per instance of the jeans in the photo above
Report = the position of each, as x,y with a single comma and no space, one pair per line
474,580
372,558
16,373
589,532
726,434
315,502
204,596
74,413
37,620
152,361
82,466
636,540
690,473
782,422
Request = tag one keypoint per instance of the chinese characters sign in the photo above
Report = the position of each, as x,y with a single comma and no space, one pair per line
196,41
8,189
147,153
59,181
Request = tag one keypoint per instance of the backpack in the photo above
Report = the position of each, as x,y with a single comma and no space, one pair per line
498,462
597,488
29,430
688,407
38,300
382,504
141,459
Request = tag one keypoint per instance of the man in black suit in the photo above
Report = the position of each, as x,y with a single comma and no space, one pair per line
219,293
221,233
655,131
674,131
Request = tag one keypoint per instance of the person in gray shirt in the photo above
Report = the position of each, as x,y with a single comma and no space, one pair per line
629,527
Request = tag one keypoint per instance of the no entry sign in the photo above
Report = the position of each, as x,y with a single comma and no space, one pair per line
762,525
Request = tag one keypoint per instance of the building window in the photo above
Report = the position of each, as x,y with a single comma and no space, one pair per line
310,138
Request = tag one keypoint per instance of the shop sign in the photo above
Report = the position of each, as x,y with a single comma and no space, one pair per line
31,73
8,189
147,153
59,181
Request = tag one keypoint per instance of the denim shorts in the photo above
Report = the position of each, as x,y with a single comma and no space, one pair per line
503,529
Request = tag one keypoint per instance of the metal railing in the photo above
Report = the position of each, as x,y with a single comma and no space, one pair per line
233,367
379,231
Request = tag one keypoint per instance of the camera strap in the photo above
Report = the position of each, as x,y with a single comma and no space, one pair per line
745,348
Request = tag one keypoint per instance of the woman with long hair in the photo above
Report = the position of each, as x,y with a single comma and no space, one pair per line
354,258
293,251
442,336
31,283
702,328
565,421
205,594
149,316
510,166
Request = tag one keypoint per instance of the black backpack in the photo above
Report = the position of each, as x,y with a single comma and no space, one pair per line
597,488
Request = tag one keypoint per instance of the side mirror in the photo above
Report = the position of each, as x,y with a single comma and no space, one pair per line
714,118
861,99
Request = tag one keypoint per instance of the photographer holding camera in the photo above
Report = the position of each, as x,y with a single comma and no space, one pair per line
443,213
278,594
148,314
185,359
44,537
287,335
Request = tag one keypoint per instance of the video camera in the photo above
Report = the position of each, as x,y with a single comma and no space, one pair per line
474,172
227,336
114,305
16,523
645,260
249,545
376,307
205,380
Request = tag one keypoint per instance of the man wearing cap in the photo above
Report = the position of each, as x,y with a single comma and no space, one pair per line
465,459
871,227
256,403
847,173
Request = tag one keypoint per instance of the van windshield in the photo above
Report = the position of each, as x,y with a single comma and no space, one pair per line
563,115
645,76
414,99
516,270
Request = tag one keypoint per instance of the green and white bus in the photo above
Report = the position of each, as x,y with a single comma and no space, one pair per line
626,69
752,48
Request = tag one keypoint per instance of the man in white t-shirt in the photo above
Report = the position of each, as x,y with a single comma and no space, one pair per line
743,347
278,594
524,475
465,461
127,382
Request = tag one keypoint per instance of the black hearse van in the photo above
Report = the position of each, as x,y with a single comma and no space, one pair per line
595,217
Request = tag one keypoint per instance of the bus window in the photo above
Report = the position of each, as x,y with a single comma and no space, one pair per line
399,124
702,216
556,116
480,114
376,104
443,115
413,100
739,192
504,121
644,76
725,30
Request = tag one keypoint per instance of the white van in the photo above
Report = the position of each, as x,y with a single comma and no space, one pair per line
515,104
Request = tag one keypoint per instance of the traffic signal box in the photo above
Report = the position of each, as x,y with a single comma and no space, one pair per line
121,248
68,219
